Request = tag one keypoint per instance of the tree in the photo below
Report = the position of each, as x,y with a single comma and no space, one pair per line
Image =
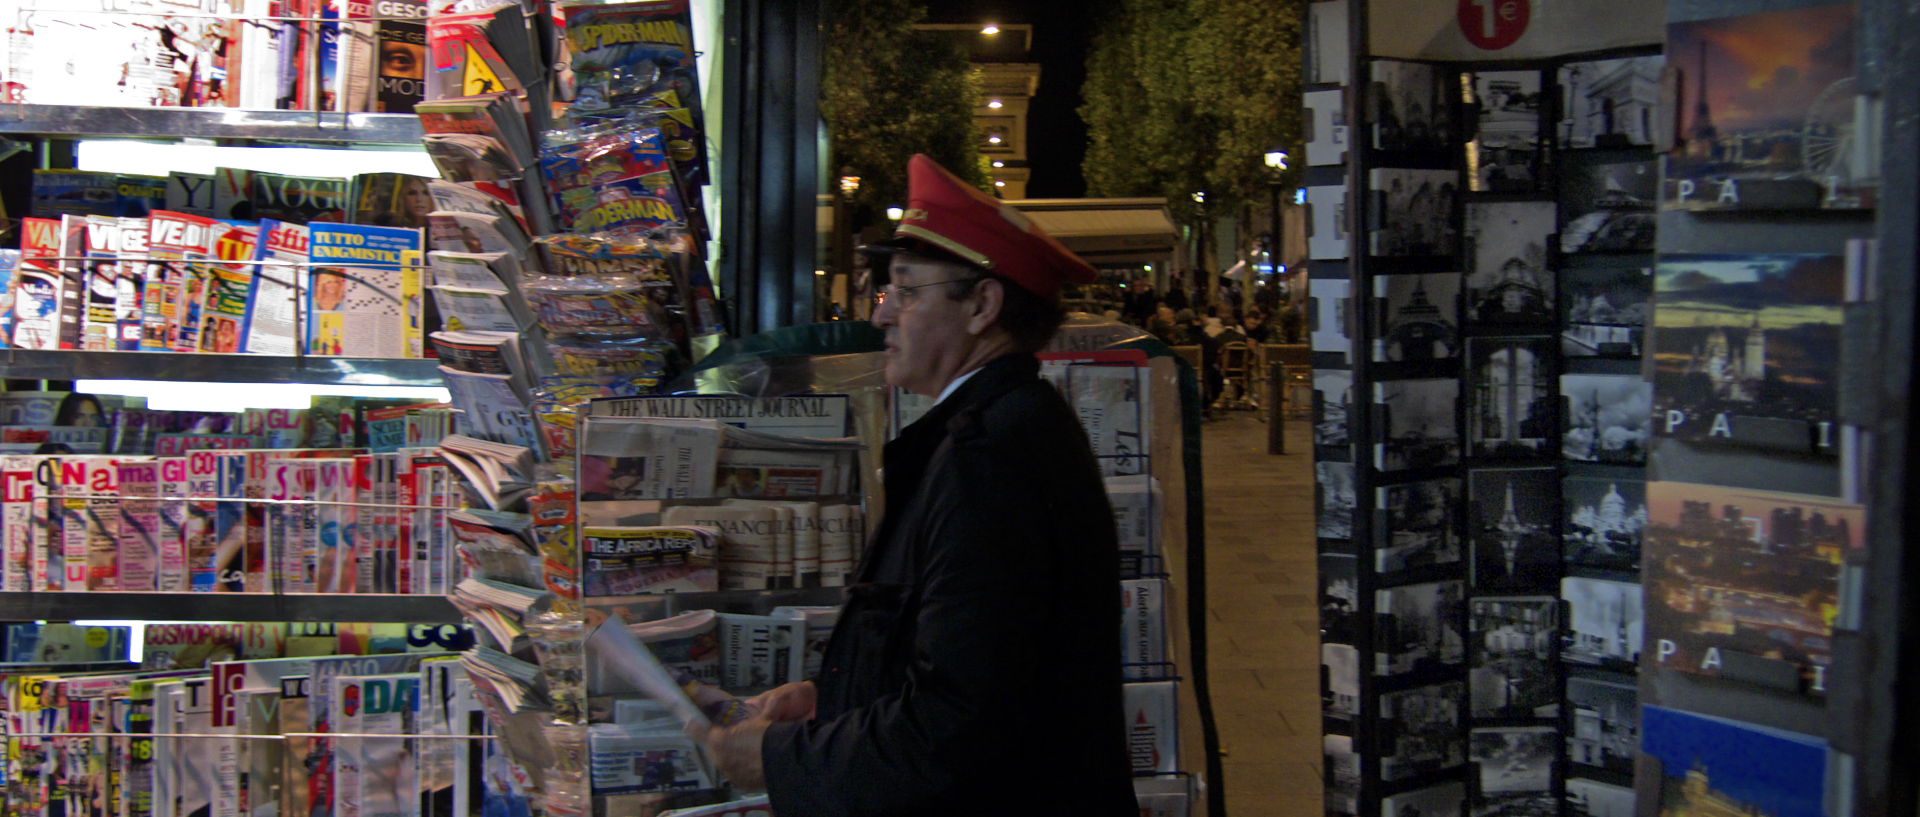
1189,95
888,92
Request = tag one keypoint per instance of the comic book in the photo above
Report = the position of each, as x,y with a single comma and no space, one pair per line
73,276
365,295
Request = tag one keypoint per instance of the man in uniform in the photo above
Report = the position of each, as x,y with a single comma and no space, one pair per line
975,667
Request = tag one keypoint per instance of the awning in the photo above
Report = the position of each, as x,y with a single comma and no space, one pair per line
1107,231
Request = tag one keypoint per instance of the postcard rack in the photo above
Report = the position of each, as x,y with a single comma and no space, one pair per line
1471,523
1564,317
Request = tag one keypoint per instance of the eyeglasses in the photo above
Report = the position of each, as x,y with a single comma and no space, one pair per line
899,294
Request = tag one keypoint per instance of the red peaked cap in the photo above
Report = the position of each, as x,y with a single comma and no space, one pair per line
954,218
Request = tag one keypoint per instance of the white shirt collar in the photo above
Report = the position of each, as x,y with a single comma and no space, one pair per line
955,385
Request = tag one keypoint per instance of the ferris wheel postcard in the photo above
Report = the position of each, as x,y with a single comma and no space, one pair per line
1767,115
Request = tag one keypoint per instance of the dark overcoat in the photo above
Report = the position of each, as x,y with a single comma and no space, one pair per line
976,666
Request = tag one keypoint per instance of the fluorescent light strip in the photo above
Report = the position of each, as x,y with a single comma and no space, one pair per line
191,396
160,158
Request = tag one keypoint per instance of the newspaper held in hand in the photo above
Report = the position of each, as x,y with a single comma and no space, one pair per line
756,806
622,653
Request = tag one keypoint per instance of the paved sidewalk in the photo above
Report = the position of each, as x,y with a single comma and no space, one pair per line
1264,654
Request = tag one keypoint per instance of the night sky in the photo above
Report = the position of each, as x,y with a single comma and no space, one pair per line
1062,30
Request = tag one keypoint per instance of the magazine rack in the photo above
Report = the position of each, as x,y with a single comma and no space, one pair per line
1483,425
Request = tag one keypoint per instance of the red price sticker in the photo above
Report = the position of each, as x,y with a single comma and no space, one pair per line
1494,24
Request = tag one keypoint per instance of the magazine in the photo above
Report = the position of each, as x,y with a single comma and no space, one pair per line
39,287
283,250
364,292
230,285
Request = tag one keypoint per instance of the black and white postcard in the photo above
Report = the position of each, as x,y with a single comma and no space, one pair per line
1409,105
1606,522
1512,404
1331,315
1421,524
1605,623
1511,513
1337,499
1413,212
1424,723
1606,723
1510,663
1444,800
1339,596
1609,103
1514,768
1608,205
1609,418
1592,798
1340,690
1332,398
1505,154
1327,44
1606,311
1342,779
1326,122
1417,628
1422,429
1508,280
1328,226
1421,319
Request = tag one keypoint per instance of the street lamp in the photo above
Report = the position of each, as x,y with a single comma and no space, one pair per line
895,213
995,104
990,30
849,185
1276,162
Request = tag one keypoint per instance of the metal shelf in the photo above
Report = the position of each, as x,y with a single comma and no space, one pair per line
374,608
41,364
211,123
752,602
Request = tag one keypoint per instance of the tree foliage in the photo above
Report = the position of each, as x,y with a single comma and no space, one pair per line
1189,95
888,92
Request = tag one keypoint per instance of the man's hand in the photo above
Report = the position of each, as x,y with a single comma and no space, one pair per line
736,750
787,702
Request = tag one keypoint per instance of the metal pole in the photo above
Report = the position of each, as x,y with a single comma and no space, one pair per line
1276,414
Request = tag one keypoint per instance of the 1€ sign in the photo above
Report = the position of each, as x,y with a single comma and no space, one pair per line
1494,24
